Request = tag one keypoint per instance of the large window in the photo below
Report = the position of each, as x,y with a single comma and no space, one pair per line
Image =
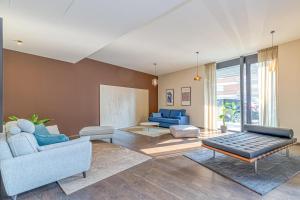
237,90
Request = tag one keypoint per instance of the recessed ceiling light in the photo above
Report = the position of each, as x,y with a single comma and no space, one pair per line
19,42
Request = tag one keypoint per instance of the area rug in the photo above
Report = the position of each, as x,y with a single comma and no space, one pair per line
108,159
151,132
272,171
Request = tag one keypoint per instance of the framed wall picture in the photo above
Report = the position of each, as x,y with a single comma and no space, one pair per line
170,97
186,96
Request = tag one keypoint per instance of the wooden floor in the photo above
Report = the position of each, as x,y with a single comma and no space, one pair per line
169,175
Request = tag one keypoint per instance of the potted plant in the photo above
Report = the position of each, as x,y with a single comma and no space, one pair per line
34,119
228,112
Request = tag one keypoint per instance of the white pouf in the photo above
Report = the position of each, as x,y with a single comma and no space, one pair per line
179,131
97,132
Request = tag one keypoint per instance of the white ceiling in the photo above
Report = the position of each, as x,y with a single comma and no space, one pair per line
136,33
218,29
71,30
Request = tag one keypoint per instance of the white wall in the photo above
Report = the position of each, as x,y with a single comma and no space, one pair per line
123,107
184,78
289,85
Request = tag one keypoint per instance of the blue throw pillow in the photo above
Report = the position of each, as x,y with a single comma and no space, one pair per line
44,137
156,114
41,130
51,139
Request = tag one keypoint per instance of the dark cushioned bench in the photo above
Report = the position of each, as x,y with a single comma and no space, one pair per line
252,144
248,145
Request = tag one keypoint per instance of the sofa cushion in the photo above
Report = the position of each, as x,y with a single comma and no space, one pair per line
53,129
278,132
175,113
22,144
156,114
164,120
51,139
5,152
41,130
26,125
169,120
14,129
10,124
165,113
155,119
44,137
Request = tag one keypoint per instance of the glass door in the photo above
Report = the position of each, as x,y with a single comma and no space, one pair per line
238,92
229,96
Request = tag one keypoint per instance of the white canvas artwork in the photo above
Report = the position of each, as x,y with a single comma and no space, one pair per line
123,107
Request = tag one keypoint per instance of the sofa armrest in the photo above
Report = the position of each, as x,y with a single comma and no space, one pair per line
184,120
155,114
63,144
30,171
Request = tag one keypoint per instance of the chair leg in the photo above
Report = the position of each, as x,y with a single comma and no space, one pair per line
110,140
287,152
255,167
214,154
14,197
84,174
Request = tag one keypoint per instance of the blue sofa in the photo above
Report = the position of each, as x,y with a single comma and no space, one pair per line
169,117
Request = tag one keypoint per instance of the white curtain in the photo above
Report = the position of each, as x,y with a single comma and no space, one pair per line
267,86
210,118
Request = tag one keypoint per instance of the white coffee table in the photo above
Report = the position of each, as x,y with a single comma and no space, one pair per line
149,125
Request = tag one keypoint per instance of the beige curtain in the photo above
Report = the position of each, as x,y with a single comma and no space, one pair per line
268,79
210,118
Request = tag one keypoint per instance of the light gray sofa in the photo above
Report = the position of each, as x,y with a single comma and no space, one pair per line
49,164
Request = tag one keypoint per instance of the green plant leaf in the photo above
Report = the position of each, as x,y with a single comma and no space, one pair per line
13,118
34,118
43,121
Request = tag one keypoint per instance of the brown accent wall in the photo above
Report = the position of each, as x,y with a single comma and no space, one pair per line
65,92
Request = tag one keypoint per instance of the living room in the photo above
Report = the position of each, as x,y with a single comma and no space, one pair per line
180,99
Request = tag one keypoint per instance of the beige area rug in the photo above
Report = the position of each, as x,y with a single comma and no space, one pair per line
108,160
151,132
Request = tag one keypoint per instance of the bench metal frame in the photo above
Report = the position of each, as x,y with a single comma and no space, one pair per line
250,160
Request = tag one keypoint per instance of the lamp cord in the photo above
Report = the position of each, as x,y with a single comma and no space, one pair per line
197,63
272,32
